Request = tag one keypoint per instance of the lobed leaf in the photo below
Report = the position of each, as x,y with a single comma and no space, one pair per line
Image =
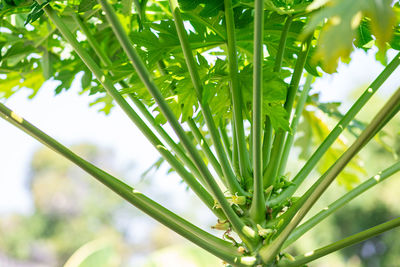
339,20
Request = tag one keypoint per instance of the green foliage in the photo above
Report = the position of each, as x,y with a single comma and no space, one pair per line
343,18
86,5
195,62
210,8
36,12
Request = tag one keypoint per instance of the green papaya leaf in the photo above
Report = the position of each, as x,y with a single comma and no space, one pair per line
86,5
278,116
342,18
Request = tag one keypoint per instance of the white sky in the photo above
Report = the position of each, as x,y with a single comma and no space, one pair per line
68,118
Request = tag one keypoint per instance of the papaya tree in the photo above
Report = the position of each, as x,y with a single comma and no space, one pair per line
232,79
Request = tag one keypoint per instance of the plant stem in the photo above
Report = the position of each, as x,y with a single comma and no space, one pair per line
192,167
258,209
334,134
293,125
247,236
348,241
310,223
304,204
52,30
267,142
92,41
244,161
285,218
203,239
279,140
230,177
206,149
109,87
282,44
138,8
175,147
226,143
235,154
149,117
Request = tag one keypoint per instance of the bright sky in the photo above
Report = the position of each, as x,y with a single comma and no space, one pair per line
68,118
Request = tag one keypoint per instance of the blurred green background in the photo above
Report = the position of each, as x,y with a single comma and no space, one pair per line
78,222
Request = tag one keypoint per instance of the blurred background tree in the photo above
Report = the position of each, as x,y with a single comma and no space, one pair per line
69,211
78,222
